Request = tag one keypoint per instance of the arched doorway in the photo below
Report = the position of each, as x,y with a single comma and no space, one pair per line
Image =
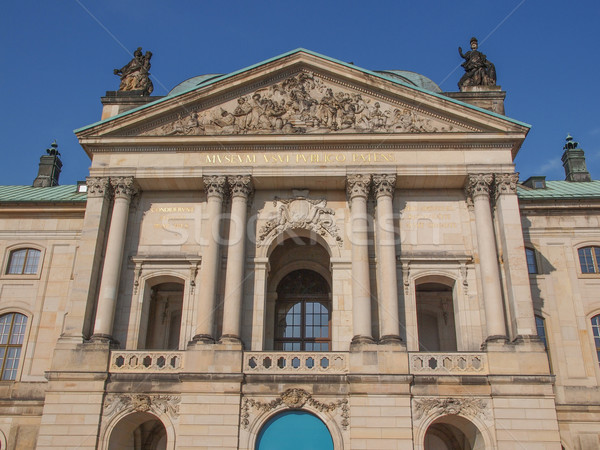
138,431
294,430
453,433
435,316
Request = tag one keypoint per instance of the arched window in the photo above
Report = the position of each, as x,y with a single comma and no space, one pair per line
589,259
303,313
12,332
294,430
596,331
23,261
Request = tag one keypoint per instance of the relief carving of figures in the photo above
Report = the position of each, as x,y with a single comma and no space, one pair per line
478,70
300,212
302,103
167,404
135,75
295,398
473,407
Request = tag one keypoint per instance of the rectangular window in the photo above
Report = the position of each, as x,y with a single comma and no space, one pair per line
589,259
531,260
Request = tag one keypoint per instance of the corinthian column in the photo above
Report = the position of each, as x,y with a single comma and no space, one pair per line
214,187
383,187
241,188
124,190
478,188
357,187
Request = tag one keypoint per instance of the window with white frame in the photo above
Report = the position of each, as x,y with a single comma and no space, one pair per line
12,334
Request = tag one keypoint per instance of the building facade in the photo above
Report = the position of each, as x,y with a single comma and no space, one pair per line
302,251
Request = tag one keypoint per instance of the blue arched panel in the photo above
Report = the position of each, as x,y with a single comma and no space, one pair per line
294,430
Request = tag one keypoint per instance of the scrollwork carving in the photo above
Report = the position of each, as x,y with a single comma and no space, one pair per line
300,212
506,183
240,185
295,398
123,187
473,407
358,185
384,184
97,186
302,103
214,186
479,184
160,404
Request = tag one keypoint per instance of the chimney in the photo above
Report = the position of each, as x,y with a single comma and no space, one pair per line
574,162
50,166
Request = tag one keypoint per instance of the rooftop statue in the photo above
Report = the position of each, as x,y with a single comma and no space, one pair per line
135,75
478,70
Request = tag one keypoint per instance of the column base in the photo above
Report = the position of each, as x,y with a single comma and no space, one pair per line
100,338
495,340
230,339
203,339
391,339
358,341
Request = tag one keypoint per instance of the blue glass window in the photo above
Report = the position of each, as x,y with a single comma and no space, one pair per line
531,260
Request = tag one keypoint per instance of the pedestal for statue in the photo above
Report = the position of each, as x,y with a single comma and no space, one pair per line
486,97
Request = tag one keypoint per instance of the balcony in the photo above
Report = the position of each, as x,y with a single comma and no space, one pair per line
455,363
146,362
295,362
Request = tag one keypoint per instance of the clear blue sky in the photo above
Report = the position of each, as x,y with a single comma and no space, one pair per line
57,58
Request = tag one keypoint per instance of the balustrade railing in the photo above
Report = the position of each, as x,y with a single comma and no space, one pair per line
295,362
150,362
456,363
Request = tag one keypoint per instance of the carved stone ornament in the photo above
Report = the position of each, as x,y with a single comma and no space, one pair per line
240,185
214,186
506,183
478,70
470,407
384,185
123,187
135,75
295,398
479,184
97,187
300,212
302,103
358,185
160,404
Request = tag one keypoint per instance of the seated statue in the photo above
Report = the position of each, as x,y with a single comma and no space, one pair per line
478,70
135,75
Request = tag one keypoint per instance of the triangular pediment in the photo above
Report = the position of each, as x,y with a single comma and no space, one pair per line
301,94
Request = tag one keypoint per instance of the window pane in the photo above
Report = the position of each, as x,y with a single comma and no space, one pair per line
24,261
541,330
11,364
17,261
597,252
5,322
531,261
586,260
596,331
18,331
31,261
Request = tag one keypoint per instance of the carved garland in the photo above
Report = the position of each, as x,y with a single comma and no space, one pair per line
303,213
295,398
474,407
161,404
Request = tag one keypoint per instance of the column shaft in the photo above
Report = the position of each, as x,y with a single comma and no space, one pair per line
486,242
234,276
386,259
214,186
358,188
113,258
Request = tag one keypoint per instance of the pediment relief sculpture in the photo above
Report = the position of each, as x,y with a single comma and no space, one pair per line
303,104
300,212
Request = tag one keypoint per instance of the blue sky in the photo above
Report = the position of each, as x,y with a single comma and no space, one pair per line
57,58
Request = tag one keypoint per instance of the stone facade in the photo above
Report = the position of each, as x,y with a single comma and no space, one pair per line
161,312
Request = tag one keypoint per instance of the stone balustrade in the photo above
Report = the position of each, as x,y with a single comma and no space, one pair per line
295,362
455,363
147,362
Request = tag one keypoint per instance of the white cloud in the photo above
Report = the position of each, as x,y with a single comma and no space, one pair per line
550,166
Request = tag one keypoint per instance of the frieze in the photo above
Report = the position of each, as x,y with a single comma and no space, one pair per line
159,403
302,104
295,398
470,407
303,213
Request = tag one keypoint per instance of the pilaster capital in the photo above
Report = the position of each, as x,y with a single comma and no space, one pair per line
357,185
506,183
214,186
479,185
124,187
240,186
97,187
384,185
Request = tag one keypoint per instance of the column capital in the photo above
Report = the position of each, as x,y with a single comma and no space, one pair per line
240,185
479,185
214,186
506,183
97,186
123,187
357,185
384,185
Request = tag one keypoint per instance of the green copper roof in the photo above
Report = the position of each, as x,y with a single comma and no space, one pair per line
561,190
394,78
29,194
